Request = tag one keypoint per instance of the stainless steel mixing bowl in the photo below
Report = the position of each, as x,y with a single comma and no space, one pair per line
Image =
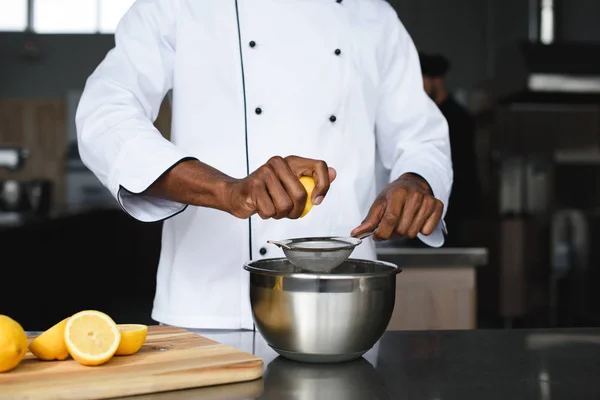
330,317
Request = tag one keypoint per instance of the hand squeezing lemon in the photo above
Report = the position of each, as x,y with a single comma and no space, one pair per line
309,184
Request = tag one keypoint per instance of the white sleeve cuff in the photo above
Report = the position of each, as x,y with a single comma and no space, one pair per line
440,192
142,161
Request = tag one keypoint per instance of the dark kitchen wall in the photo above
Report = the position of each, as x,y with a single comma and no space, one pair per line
579,20
462,29
68,61
467,31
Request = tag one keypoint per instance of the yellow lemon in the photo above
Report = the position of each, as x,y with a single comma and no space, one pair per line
92,337
50,345
13,343
309,184
133,337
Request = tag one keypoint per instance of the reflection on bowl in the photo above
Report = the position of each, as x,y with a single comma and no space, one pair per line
291,380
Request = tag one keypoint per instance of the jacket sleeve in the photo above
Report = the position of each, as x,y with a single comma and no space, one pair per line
412,134
117,139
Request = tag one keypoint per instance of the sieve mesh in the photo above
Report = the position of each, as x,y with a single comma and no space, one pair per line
318,254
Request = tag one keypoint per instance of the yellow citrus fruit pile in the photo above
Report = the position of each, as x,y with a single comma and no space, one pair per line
90,337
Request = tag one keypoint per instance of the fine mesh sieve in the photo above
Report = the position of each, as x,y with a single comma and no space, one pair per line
319,254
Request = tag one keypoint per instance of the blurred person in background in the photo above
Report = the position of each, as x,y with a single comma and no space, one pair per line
465,199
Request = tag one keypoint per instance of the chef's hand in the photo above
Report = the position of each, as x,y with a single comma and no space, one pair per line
274,190
405,207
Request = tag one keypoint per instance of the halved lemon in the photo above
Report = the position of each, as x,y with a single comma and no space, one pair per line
92,337
133,337
309,185
50,345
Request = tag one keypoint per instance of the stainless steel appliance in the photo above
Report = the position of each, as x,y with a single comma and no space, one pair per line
39,194
20,199
570,265
547,119
12,196
322,317
12,157
525,184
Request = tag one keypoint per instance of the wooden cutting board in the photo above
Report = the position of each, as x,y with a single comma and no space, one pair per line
171,359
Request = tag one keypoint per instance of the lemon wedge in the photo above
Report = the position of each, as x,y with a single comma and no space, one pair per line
50,345
133,337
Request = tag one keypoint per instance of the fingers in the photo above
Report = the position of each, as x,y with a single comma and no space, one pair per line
318,169
410,212
279,197
332,174
373,217
321,174
421,215
424,212
262,201
433,219
272,200
275,191
402,211
391,217
290,192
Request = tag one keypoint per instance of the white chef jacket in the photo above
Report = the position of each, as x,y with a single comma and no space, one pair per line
333,80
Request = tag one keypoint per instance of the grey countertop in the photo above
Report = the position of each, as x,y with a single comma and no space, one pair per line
407,257
503,364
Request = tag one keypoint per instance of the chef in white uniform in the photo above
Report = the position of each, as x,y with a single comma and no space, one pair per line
337,84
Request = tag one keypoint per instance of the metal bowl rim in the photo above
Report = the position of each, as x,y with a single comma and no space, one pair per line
319,275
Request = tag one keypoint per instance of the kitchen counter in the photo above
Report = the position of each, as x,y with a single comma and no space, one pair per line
431,257
437,288
503,364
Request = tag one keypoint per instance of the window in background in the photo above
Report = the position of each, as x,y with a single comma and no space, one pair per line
65,16
111,12
13,15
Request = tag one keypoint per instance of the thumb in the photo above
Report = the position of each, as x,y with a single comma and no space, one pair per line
332,174
373,218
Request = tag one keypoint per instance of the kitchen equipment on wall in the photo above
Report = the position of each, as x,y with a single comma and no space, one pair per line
39,194
540,70
525,184
12,157
13,196
12,192
570,259
322,318
21,198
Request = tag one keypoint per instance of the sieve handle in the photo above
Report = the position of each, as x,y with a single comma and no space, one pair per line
279,244
364,235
